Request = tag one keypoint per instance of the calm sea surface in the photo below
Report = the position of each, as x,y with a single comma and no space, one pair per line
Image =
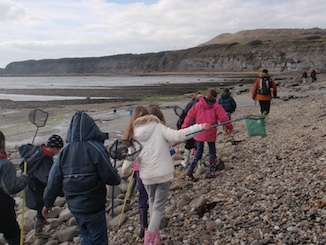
87,82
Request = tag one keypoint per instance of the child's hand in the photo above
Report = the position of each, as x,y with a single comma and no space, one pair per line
45,212
229,129
206,126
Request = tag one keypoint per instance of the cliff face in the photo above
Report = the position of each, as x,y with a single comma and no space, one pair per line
295,54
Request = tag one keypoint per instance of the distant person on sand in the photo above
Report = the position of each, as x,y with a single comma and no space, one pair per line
207,110
39,160
82,170
10,184
304,77
190,144
227,101
313,75
263,90
156,168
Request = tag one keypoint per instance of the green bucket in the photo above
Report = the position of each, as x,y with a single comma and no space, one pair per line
256,125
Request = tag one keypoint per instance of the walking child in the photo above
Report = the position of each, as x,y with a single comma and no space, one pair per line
142,197
190,144
207,110
228,103
156,166
82,170
39,161
10,184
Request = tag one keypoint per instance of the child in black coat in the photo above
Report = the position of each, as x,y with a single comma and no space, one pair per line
227,101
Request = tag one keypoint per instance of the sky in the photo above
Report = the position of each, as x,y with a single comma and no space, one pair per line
53,29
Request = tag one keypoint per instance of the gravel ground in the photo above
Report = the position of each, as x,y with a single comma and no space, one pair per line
272,191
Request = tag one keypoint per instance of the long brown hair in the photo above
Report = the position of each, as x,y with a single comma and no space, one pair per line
138,111
156,111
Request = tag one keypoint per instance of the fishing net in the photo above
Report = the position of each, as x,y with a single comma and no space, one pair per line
178,110
38,117
123,149
256,125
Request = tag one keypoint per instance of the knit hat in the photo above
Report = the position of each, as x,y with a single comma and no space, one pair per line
55,141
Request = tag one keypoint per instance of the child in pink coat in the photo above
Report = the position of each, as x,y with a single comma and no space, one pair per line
207,110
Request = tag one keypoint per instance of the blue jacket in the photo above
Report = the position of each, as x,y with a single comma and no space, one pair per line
185,111
9,183
228,103
82,168
38,168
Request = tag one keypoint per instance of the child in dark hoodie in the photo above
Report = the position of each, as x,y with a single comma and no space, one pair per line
227,101
10,184
82,170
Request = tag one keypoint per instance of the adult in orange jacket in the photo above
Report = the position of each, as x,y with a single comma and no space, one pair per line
263,91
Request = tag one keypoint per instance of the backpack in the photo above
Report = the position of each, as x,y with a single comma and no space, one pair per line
265,85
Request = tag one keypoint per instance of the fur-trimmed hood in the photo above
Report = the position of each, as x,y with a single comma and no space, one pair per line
146,119
144,126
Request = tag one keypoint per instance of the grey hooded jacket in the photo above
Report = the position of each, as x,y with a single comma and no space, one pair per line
82,168
9,183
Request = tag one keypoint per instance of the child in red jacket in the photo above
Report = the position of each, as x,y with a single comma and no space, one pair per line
207,110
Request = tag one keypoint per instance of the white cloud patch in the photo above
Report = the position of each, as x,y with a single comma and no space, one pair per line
45,29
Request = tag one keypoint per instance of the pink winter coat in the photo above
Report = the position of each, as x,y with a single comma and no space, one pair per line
202,112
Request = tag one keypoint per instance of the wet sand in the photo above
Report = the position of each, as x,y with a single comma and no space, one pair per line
111,115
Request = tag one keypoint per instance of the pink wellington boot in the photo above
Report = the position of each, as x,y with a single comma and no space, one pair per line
149,237
157,240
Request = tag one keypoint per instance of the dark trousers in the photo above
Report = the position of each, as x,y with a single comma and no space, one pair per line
200,149
8,224
143,197
265,105
93,228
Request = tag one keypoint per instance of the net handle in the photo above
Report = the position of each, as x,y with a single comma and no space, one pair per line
253,117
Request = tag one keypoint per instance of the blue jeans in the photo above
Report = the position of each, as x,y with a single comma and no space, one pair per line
158,194
200,149
93,228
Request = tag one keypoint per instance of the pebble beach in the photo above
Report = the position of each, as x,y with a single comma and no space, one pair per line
272,190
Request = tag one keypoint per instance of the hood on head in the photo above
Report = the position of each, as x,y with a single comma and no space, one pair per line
83,128
225,95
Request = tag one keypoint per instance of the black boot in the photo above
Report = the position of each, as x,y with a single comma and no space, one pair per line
212,166
143,221
191,169
219,165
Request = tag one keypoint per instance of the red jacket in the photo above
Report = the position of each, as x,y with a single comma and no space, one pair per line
202,112
256,96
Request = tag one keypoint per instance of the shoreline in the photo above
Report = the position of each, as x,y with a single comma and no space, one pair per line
17,128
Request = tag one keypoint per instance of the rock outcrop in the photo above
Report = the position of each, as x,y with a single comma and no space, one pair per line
281,54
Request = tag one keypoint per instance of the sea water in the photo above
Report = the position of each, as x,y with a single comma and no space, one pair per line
87,82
